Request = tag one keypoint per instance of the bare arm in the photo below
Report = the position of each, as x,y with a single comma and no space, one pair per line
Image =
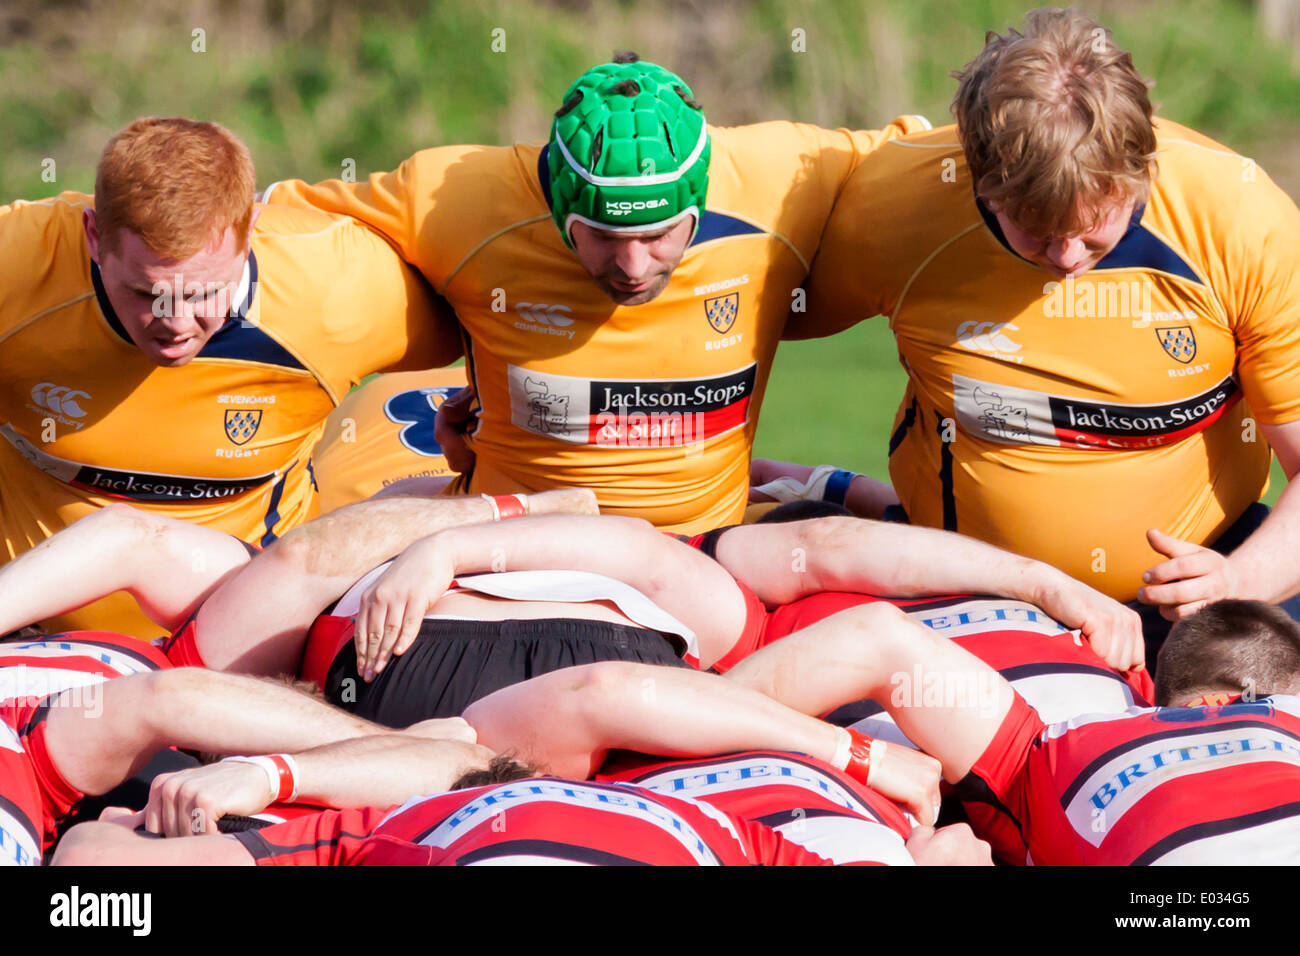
168,566
784,562
98,736
865,497
876,651
375,771
1265,567
569,720
313,565
676,577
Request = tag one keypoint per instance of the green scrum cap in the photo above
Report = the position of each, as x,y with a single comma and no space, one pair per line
629,151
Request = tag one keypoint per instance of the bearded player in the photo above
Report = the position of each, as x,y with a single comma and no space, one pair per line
622,288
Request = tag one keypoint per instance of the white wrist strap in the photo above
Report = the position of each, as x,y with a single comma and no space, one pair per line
843,749
792,489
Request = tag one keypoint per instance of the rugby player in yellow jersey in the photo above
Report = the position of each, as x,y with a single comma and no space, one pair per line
1100,323
171,345
620,322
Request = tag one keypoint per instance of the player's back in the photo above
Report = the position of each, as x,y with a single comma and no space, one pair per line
539,821
1167,786
806,801
59,662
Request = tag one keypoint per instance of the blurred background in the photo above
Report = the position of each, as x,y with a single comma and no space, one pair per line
310,84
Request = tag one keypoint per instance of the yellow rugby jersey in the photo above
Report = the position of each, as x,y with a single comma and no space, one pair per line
382,433
1062,418
223,441
653,406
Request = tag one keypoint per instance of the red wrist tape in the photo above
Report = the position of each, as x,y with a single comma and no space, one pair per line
509,506
287,783
859,767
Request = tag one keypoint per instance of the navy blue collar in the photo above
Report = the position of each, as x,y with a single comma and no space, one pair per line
238,313
991,221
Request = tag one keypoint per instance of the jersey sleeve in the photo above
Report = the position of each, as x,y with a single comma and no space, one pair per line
433,209
1260,249
351,305
329,838
1001,767
386,202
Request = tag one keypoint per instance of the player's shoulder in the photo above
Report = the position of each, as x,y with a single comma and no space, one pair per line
41,227
1202,179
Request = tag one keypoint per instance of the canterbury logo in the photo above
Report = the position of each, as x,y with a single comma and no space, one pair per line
986,337
59,398
545,314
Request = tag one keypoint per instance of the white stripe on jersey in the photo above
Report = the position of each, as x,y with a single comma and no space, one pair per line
1056,697
1270,844
749,773
20,681
845,840
16,846
841,840
1115,787
9,739
981,616
628,803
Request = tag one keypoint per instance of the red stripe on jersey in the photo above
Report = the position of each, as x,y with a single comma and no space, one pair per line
324,838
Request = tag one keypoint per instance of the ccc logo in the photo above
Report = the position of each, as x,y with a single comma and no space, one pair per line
415,409
545,314
59,398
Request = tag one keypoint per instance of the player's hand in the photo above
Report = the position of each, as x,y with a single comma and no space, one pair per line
444,728
906,776
563,501
450,424
122,816
1112,630
954,845
1192,577
190,802
393,608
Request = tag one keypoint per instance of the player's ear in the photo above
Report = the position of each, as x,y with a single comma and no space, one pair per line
91,228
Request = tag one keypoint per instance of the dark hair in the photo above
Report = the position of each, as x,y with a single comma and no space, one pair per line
503,768
804,510
1237,646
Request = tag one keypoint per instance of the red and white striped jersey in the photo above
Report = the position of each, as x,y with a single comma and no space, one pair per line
21,814
36,669
538,821
1058,675
1162,785
807,801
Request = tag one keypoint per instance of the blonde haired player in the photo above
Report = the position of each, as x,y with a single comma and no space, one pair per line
1099,321
170,344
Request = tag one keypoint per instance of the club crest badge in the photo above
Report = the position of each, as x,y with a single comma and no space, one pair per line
242,424
1179,341
722,310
